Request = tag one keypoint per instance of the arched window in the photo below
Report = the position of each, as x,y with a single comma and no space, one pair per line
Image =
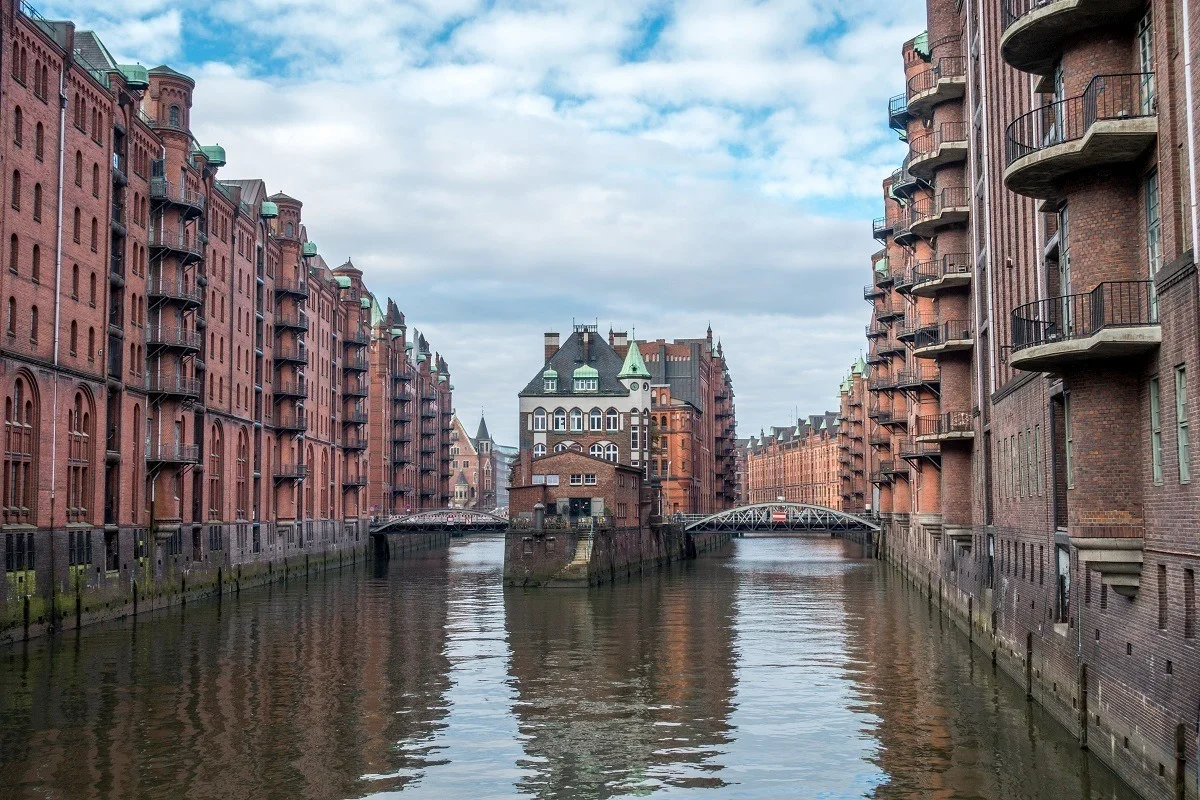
16,60
79,168
12,316
539,450
243,491
92,289
14,254
326,506
82,115
16,190
596,421
74,281
288,230
539,414
174,118
596,450
79,457
91,348
560,447
611,419
576,419
610,452
216,474
20,449
37,202
39,142
139,438
560,420
33,324
35,265
18,126
310,485
95,180
76,223
94,237
73,340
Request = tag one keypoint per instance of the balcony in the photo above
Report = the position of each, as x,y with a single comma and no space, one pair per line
1117,319
1113,122
951,271
354,417
946,336
890,309
929,151
913,448
291,472
913,326
918,376
876,329
898,115
882,383
291,287
190,203
187,249
952,426
291,423
356,339
172,453
173,339
175,292
904,183
904,280
178,386
881,228
1036,30
354,481
871,291
354,389
290,353
902,232
428,413
879,438
294,321
354,364
945,80
890,347
951,206
291,389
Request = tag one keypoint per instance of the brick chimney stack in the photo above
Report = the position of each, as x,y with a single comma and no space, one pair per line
551,345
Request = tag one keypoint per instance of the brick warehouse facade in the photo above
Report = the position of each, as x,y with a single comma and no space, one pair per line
1032,353
187,383
800,463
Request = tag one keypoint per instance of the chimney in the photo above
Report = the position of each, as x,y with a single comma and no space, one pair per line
587,347
551,345
621,339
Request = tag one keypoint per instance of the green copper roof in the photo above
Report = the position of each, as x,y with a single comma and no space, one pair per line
397,331
452,387
310,249
364,302
550,373
408,346
860,366
136,76
214,153
585,372
921,44
634,366
420,357
343,281
268,210
442,378
376,311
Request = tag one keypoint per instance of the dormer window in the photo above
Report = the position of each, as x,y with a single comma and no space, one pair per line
586,379
550,384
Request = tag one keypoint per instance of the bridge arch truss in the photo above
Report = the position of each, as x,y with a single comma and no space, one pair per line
781,517
442,519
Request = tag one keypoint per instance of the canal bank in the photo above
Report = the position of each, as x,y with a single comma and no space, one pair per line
1137,727
57,596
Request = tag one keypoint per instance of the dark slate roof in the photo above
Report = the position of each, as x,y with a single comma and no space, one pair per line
604,360
254,191
482,434
88,44
275,198
348,267
163,69
682,376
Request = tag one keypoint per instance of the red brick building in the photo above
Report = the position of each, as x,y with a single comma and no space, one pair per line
473,467
694,429
186,379
575,487
1033,351
854,430
799,463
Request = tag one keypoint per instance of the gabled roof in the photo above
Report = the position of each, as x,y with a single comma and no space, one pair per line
602,358
284,197
482,434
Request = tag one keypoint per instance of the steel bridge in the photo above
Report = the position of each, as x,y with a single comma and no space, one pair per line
453,520
779,516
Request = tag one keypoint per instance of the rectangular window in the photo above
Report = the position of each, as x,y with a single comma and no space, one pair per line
1070,441
539,480
577,480
1156,456
589,480
1162,597
1037,456
634,437
552,480
1189,604
1181,423
1153,238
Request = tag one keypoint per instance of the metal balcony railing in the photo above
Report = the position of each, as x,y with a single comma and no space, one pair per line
174,290
285,472
354,417
943,331
173,337
294,320
1112,304
948,265
290,422
876,329
296,388
926,80
357,338
292,286
163,190
173,385
928,143
880,228
176,242
918,375
173,453
1107,97
354,364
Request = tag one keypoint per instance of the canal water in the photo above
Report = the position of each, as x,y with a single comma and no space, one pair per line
782,667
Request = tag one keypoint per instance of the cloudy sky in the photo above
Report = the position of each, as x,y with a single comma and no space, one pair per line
501,167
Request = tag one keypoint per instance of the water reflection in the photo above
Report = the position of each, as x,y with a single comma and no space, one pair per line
781,668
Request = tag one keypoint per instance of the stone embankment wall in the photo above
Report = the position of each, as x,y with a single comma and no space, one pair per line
574,558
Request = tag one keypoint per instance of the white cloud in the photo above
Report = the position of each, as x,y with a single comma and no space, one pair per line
499,169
